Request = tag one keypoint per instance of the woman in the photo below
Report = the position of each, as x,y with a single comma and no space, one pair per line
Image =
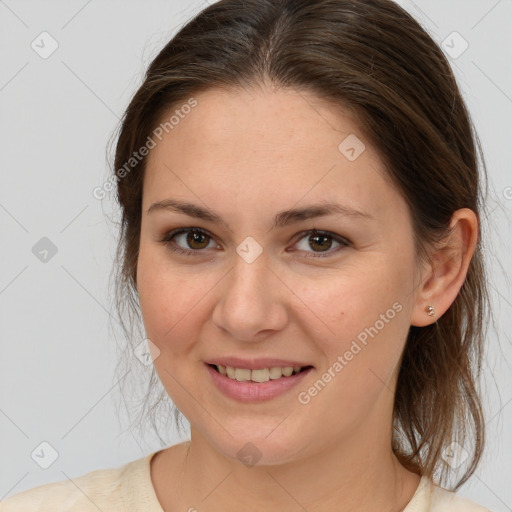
301,207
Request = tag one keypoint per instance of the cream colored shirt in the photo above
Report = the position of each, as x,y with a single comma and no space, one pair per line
129,488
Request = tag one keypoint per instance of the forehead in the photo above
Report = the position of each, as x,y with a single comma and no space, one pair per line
262,119
280,145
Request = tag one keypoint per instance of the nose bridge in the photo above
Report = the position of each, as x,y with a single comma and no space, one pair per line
250,271
248,284
250,299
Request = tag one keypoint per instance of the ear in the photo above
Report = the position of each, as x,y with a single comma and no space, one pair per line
443,277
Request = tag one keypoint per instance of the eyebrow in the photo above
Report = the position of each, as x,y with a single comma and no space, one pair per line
282,219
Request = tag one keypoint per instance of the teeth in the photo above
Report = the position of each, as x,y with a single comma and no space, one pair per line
242,374
287,371
275,372
260,375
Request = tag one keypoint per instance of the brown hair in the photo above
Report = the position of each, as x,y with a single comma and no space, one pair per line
374,59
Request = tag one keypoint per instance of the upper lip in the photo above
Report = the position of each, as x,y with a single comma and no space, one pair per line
254,364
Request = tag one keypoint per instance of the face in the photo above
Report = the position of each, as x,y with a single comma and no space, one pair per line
251,283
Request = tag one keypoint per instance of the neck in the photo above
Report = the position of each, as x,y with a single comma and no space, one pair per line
359,475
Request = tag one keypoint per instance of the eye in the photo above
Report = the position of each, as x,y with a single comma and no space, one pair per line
321,240
197,239
194,237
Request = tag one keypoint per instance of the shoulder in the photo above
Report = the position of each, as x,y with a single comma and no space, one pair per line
430,497
443,500
104,489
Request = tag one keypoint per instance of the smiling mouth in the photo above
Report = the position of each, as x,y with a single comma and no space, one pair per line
258,376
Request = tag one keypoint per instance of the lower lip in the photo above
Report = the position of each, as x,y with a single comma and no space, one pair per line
247,391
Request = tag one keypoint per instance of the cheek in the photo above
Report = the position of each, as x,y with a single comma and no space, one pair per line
361,315
352,299
168,303
367,330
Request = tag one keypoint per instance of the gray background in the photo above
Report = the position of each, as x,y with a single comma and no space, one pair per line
57,115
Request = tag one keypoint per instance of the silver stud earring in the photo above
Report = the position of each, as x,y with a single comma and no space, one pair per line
430,311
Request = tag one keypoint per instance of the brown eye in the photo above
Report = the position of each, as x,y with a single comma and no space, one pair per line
193,241
321,242
190,241
196,240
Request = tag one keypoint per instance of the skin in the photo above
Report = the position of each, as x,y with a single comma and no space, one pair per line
247,155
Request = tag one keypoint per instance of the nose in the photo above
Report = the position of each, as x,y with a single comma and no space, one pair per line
252,301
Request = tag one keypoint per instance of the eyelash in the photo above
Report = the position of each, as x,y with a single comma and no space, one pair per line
167,240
